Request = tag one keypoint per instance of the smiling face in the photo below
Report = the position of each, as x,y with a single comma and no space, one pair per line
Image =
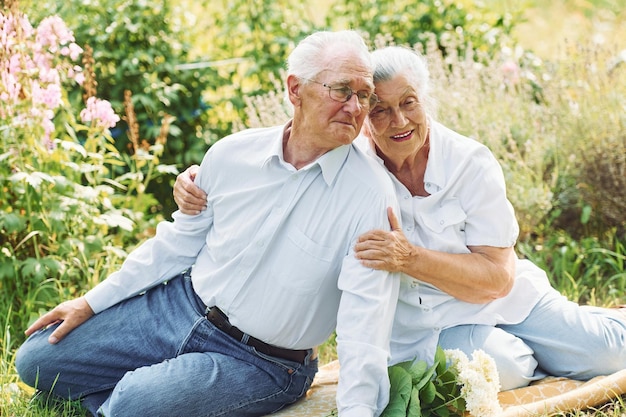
398,124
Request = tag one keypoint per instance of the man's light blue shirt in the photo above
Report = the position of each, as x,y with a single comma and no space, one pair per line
274,251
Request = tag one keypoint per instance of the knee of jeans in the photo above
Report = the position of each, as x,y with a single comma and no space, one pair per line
515,372
27,364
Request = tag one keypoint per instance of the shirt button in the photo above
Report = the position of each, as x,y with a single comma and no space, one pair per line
436,329
441,222
260,243
406,197
426,310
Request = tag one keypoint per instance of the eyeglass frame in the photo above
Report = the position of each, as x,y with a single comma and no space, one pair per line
372,99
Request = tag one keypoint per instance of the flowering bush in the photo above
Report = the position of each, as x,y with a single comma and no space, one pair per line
452,386
65,206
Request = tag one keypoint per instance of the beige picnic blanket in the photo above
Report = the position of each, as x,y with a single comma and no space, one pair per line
545,397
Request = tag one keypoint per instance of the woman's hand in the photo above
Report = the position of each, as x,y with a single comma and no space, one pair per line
70,314
190,198
386,250
484,274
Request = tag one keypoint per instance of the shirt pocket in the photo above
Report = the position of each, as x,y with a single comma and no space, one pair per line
447,214
307,263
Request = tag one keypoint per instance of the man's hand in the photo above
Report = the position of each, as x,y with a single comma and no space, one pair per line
70,314
386,250
188,196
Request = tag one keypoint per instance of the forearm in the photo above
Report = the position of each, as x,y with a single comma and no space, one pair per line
476,277
363,332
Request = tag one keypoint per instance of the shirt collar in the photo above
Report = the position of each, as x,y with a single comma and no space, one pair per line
330,163
435,167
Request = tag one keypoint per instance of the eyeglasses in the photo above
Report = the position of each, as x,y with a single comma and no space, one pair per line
344,93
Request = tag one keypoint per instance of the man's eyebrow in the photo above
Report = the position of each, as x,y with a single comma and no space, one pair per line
346,82
343,81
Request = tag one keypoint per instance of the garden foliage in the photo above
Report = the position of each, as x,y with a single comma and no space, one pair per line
71,202
144,47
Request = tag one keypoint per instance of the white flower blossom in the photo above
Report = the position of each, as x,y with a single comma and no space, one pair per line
479,382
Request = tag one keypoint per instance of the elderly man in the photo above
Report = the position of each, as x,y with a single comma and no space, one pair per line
218,313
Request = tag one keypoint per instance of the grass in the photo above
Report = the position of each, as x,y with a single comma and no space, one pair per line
588,270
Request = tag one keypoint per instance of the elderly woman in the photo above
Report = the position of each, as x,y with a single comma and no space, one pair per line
463,286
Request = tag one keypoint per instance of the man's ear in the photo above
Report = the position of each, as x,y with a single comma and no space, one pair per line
293,90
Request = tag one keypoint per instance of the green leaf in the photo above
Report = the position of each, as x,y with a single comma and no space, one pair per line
415,406
449,375
12,222
33,268
7,270
426,377
441,360
428,393
417,371
400,392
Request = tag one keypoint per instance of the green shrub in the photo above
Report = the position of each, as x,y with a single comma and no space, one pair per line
64,212
410,22
143,47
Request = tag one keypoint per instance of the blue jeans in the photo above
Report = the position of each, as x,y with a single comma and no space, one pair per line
157,355
558,338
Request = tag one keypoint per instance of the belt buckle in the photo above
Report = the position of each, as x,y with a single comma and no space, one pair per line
219,319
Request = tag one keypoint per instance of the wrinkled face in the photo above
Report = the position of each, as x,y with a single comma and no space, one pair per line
397,124
332,123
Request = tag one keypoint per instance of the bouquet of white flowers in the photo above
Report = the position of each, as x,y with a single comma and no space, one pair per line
453,386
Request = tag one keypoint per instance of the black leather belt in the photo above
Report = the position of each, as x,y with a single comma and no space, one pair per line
219,319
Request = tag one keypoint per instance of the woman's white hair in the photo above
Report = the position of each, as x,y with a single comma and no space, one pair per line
307,58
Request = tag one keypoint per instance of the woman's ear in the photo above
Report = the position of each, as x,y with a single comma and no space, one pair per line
293,90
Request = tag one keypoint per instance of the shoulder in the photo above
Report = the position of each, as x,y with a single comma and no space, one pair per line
462,150
457,142
247,139
368,172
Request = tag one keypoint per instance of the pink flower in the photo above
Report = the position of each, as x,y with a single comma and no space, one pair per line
49,75
52,33
100,113
72,50
12,87
14,64
50,96
511,72
8,35
76,73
